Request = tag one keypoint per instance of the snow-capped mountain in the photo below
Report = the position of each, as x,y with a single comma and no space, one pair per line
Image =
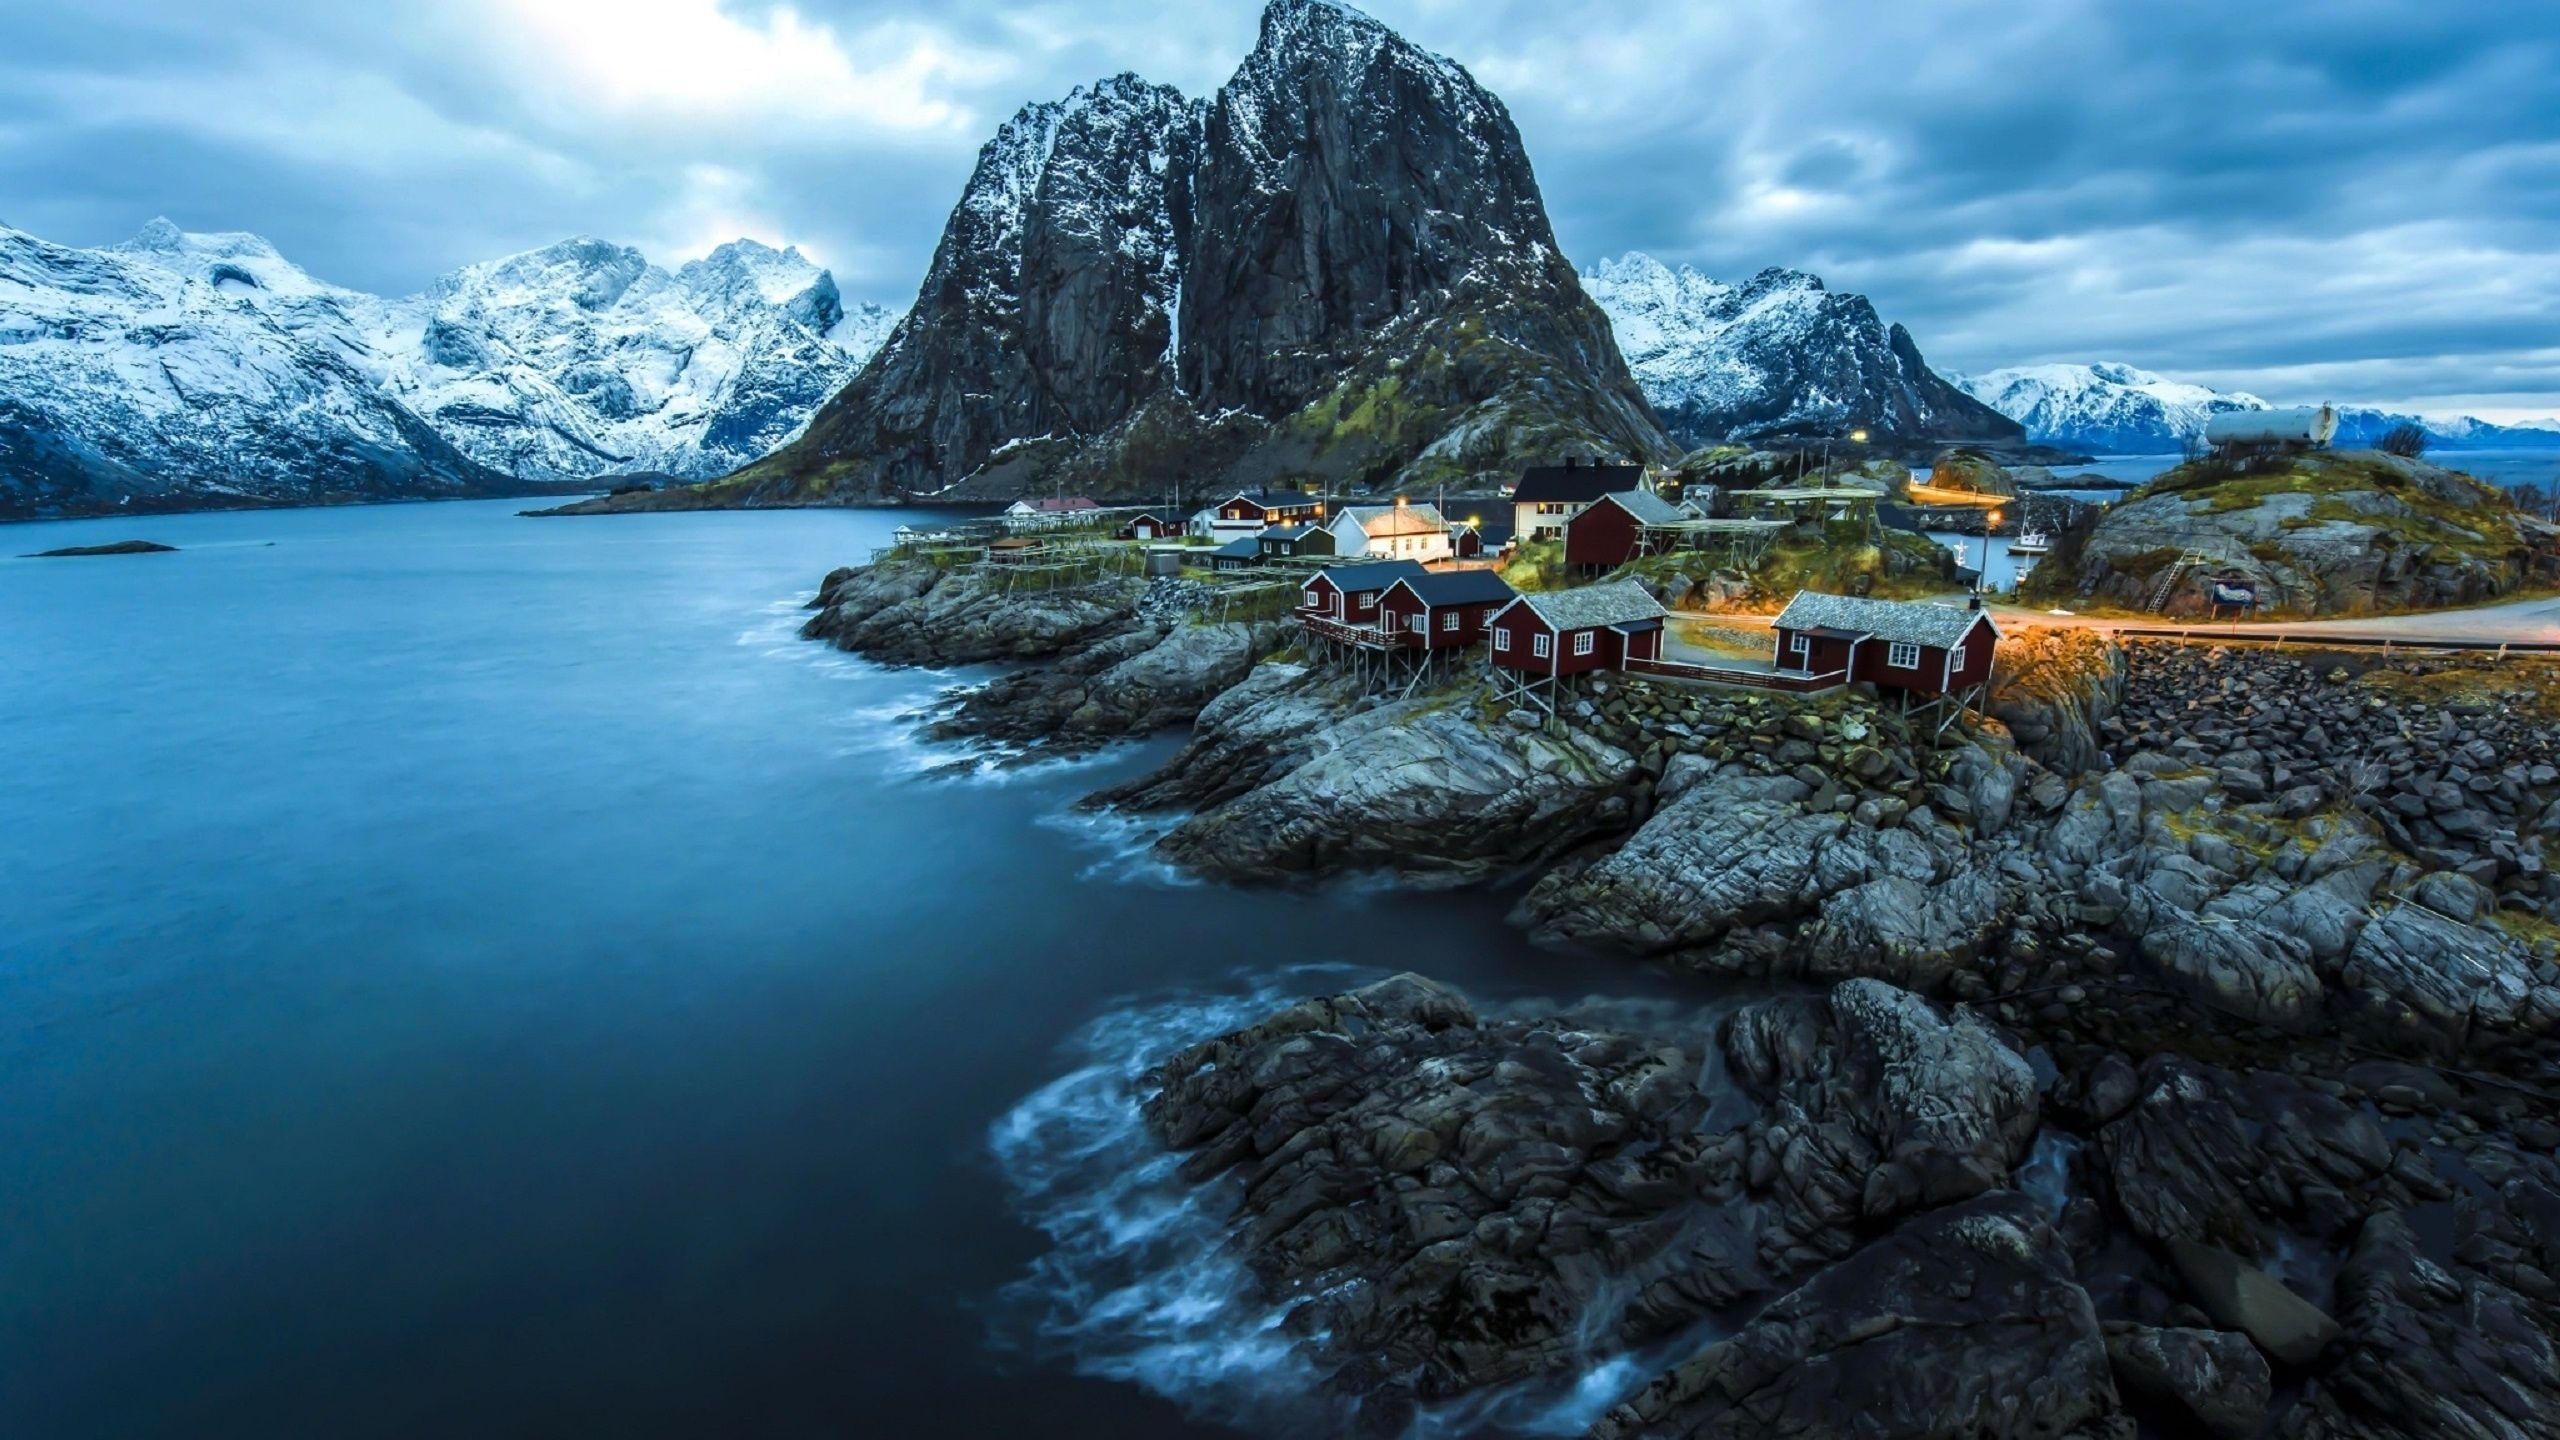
584,359
1337,268
130,383
2118,409
1777,357
181,369
2107,408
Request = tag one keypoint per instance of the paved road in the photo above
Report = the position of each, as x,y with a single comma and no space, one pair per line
2514,621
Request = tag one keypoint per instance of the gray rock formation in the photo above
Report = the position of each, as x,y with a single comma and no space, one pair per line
1514,1196
1338,267
1964,1322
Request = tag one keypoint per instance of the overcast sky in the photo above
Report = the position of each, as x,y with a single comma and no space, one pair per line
2355,200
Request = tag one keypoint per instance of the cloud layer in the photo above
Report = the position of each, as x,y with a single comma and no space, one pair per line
2356,200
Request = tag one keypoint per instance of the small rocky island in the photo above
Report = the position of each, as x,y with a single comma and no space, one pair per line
120,547
2174,1045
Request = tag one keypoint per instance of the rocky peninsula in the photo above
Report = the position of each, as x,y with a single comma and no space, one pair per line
2176,1045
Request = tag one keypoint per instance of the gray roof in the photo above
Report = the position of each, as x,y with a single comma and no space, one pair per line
1618,602
1920,623
1649,508
1458,587
1289,532
1248,548
1369,574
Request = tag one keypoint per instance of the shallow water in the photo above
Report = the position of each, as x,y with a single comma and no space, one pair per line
471,974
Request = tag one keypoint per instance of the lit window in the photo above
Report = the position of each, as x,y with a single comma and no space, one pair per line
1903,655
1538,645
1449,621
1582,643
1501,639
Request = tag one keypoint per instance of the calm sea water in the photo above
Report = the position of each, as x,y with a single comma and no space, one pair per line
468,974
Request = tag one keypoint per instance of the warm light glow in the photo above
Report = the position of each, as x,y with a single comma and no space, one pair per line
1995,519
1858,436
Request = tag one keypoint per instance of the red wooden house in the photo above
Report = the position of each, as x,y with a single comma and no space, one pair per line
1349,593
1444,611
1151,526
1923,649
1621,526
1543,639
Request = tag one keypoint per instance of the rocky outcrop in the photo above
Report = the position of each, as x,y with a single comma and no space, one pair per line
1513,1196
120,547
2328,533
1439,794
1337,268
1965,1322
1132,682
915,612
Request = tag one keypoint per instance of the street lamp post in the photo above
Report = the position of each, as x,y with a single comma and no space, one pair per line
1982,575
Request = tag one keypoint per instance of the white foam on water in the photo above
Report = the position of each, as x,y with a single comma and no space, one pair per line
1139,1284
1126,845
2045,1175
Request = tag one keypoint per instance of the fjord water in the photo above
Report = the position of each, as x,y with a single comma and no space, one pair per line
470,974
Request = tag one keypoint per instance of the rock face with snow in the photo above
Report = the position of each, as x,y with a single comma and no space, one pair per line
2118,409
2113,409
583,359
1339,266
180,371
131,382
1778,358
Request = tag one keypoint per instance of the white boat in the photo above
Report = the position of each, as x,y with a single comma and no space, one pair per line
2031,542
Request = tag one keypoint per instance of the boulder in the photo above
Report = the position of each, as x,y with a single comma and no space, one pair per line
2235,1293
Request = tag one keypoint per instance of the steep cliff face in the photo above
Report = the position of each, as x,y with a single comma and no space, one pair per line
1338,269
1780,357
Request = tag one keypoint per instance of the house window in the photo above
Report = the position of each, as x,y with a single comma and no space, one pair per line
1449,621
1421,623
1363,602
1799,647
1903,655
1539,645
1501,639
1955,660
1583,642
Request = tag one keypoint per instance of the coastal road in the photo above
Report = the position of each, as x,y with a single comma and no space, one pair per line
2535,621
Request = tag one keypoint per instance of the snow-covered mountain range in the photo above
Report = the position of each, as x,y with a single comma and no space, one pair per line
180,370
2121,410
1776,358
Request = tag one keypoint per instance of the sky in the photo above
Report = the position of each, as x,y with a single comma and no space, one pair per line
2350,200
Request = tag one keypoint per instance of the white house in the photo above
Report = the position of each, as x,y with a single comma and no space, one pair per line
1400,531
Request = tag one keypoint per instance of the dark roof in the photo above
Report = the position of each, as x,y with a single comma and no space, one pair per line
1370,574
1648,508
1248,548
1289,532
1458,587
1491,533
1834,632
1943,626
1618,602
1575,483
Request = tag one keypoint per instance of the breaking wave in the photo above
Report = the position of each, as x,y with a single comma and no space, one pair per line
1139,1284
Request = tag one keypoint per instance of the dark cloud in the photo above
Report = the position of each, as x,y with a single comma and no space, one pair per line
2357,198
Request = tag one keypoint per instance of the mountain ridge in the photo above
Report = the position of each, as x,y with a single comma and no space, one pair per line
1338,268
182,369
1780,358
2122,409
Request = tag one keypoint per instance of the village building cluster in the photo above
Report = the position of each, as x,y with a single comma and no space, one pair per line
1399,592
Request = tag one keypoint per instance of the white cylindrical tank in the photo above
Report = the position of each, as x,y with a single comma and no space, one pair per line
2302,425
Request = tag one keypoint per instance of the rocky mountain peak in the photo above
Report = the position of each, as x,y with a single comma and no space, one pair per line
1325,270
1779,358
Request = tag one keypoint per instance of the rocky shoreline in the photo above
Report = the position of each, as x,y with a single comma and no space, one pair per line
2243,964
